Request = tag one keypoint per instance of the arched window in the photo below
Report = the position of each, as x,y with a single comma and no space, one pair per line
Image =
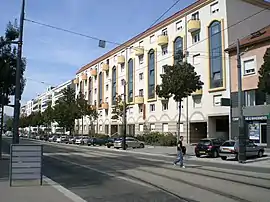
100,90
178,49
151,74
90,90
81,86
215,48
130,80
114,85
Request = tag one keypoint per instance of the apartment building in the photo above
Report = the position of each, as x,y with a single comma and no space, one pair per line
256,104
202,30
56,95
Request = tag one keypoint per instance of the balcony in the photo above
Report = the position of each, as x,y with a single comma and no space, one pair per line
93,72
139,51
194,25
163,40
76,81
105,67
120,59
105,105
84,77
198,92
139,99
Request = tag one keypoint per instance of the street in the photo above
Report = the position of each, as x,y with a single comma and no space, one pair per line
106,175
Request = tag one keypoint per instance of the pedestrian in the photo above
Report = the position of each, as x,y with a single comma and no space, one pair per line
180,154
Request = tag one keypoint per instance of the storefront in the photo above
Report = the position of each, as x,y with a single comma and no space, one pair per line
257,128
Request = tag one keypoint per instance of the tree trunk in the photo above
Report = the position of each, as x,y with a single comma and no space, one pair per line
82,125
179,118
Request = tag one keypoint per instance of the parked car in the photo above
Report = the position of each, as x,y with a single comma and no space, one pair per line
97,141
71,139
230,149
52,138
209,147
62,139
82,140
130,142
110,142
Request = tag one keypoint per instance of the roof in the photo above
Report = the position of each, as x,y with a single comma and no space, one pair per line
257,37
158,26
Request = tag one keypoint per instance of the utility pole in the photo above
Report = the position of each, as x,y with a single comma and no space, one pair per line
124,116
241,121
18,80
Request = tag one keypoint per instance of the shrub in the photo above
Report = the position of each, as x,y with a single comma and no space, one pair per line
101,136
158,139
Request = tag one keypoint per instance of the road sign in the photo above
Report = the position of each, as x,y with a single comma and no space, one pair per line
25,163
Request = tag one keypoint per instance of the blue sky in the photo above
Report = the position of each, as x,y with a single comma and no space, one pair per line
54,56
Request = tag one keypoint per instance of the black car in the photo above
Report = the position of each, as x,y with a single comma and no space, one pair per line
209,147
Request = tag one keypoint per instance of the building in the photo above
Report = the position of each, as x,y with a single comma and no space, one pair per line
202,30
256,104
57,93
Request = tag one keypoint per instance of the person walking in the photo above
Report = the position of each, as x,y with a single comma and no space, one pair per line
180,155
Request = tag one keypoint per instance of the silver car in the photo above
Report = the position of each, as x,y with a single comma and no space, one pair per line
230,148
130,143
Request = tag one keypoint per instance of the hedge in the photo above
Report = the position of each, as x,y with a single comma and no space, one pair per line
158,139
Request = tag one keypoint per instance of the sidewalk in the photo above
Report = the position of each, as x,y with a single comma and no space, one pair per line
30,193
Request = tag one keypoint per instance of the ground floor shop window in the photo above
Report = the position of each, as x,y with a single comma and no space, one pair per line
257,131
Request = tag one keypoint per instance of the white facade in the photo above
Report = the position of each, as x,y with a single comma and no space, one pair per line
201,113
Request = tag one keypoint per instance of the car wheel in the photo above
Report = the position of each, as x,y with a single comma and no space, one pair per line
141,145
260,153
224,158
215,154
108,146
198,155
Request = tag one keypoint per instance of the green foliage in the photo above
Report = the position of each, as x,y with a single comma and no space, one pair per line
84,109
178,81
118,109
66,110
8,61
101,136
158,139
264,72
48,115
9,124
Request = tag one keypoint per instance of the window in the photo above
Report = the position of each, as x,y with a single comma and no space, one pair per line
216,100
152,39
151,74
141,44
123,82
165,106
140,76
131,109
140,108
141,127
106,99
197,101
164,50
115,58
152,108
215,44
107,87
114,85
100,80
141,92
90,90
195,16
178,48
196,37
152,126
165,32
122,67
141,59
249,67
214,8
196,59
179,25
250,98
100,128
95,91
130,80
108,61
131,50
165,127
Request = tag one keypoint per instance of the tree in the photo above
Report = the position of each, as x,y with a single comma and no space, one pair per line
8,61
264,74
48,115
84,109
9,124
178,81
118,109
66,110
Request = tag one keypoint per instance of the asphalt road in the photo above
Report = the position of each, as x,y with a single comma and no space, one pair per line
107,175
